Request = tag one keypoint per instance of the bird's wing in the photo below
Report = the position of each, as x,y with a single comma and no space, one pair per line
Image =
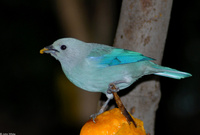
118,56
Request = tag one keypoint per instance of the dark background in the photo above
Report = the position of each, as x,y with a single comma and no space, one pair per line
29,103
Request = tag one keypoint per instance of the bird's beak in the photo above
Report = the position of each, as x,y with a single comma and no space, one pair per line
48,49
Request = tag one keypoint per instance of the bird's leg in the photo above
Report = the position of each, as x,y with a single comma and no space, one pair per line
93,116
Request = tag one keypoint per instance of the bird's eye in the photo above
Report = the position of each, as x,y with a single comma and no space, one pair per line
63,47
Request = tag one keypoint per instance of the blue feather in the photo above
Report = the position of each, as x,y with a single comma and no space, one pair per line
121,56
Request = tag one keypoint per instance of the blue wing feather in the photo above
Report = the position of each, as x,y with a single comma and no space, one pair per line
120,56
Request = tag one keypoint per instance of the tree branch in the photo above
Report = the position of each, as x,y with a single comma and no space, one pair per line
143,28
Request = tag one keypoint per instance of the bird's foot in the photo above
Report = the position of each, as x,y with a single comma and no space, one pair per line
112,88
93,116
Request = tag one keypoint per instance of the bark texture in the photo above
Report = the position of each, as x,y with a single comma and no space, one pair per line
142,27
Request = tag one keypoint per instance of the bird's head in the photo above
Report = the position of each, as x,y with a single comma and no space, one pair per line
65,49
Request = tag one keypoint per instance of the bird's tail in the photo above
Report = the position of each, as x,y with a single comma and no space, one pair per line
169,72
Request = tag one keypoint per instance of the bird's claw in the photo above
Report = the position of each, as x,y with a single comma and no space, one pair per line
112,88
93,117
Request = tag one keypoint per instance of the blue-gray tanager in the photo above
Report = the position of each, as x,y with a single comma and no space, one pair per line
94,67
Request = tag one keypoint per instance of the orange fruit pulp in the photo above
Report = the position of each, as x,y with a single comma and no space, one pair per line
112,122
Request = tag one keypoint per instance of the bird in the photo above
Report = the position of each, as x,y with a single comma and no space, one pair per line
97,67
